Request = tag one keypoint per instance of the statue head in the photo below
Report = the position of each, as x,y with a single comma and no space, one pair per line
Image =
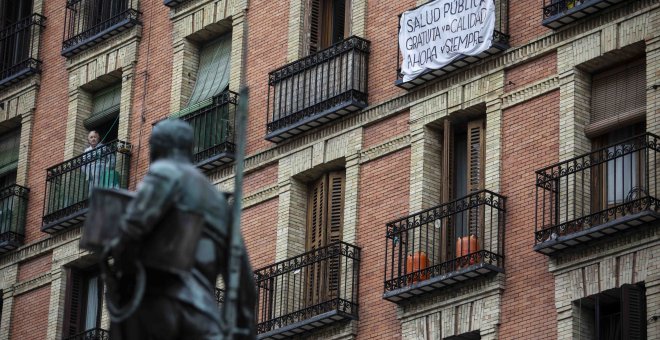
171,138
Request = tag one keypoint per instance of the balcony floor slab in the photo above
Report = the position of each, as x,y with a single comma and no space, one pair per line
609,228
472,272
65,222
588,7
307,325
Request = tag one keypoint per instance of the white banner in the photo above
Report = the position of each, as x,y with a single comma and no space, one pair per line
437,33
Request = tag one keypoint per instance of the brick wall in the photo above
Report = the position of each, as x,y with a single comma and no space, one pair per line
389,128
525,21
531,71
34,267
259,227
383,197
260,179
528,300
30,316
266,51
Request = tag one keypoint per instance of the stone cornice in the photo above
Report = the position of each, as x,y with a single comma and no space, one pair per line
37,248
26,286
384,149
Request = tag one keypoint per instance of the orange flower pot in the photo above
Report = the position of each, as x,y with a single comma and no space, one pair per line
466,245
415,262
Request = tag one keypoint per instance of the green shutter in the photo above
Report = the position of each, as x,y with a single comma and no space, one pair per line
105,107
9,145
213,72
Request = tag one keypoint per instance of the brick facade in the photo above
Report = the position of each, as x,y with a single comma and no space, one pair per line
534,97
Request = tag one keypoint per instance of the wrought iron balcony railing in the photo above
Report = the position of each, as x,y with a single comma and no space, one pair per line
13,207
500,43
19,44
557,13
308,291
601,193
69,184
88,22
317,89
92,334
213,128
444,245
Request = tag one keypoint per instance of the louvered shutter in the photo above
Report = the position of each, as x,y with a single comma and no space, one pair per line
73,305
316,238
475,144
618,97
447,184
336,188
633,312
312,26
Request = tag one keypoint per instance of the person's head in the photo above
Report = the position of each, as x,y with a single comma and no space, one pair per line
93,138
171,138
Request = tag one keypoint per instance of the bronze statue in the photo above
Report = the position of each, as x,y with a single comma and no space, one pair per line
172,243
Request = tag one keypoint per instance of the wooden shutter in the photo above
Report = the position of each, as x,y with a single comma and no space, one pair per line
315,239
447,185
618,96
316,215
312,25
633,312
336,185
475,178
73,314
476,148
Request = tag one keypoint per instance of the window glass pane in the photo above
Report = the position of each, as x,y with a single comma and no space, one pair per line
92,308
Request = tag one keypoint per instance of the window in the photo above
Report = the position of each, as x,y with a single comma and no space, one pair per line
14,42
9,147
105,113
618,104
615,314
327,22
212,124
84,302
463,148
325,215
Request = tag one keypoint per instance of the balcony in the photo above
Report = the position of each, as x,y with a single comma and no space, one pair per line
89,22
92,334
213,128
557,13
309,291
500,43
68,184
13,207
597,195
19,44
317,89
445,245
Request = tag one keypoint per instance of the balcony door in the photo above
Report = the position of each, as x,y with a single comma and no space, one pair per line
325,214
84,302
620,178
618,106
327,22
463,167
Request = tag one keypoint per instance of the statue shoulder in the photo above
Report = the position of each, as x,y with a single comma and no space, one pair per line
165,169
